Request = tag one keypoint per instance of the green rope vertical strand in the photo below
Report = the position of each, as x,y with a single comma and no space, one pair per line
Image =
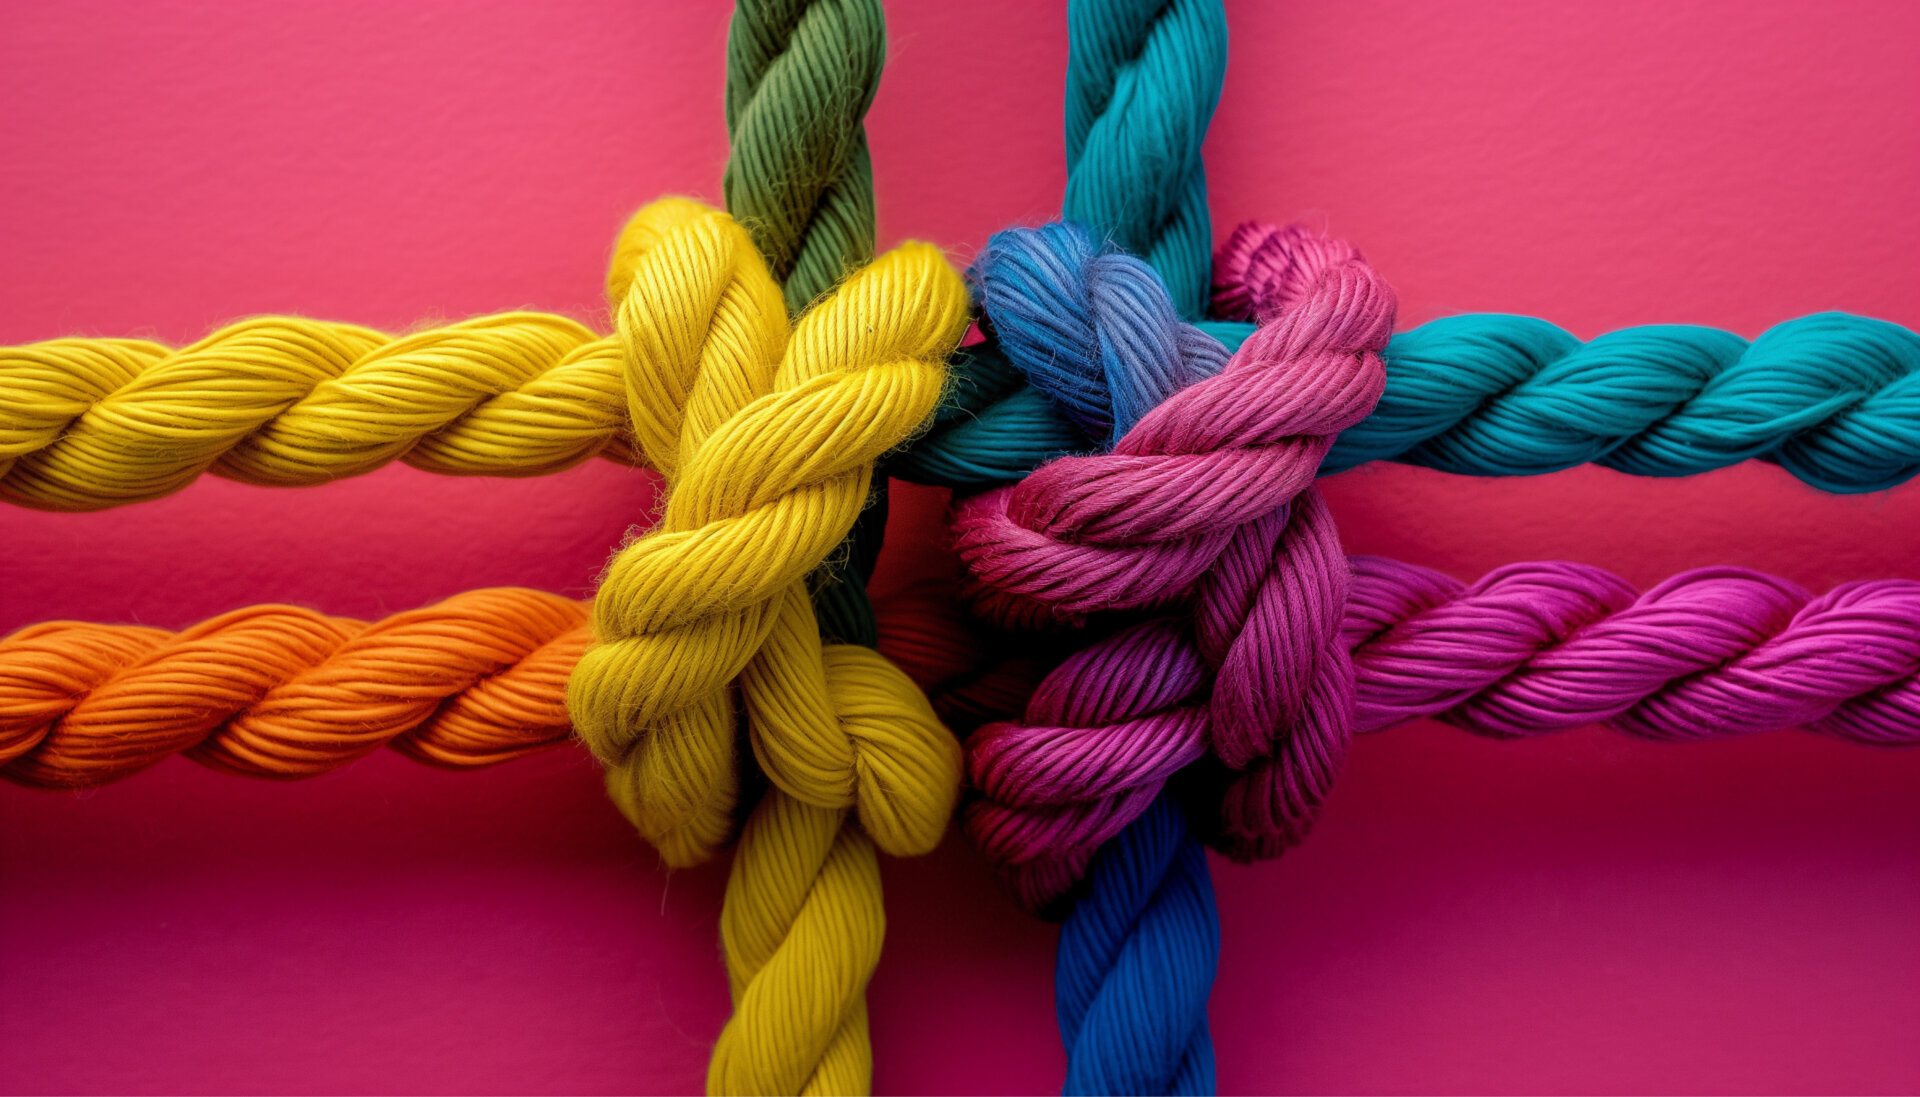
1143,78
800,77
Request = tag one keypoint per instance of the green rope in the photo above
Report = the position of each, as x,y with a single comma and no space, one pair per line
800,77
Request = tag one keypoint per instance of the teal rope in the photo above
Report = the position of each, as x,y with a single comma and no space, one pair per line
1143,78
1832,398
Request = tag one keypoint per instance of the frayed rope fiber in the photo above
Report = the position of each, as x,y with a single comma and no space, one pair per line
766,433
480,678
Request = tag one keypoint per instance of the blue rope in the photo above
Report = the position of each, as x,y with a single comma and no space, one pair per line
1136,963
1093,333
1089,326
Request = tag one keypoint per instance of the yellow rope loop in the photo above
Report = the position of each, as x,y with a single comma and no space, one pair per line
700,323
802,928
93,423
841,727
768,442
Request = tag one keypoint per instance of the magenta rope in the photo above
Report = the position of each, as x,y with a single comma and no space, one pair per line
1205,502
1529,649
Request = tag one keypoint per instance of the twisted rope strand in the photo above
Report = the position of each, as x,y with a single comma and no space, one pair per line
1136,964
1845,663
1143,78
1708,654
800,77
802,926
1832,398
278,691
88,424
92,423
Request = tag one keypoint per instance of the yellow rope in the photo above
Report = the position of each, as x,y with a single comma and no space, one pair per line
766,434
92,423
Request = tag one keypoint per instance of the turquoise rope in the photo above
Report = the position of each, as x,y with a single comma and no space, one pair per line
1143,78
1832,398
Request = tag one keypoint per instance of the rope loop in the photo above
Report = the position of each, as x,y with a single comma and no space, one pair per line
766,433
1203,507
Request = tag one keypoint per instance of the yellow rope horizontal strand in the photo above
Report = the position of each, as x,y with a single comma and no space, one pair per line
87,424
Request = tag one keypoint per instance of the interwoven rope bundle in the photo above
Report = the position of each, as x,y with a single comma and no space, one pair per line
1205,505
1251,685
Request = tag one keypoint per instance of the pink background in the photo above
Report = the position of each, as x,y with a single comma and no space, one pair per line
1587,914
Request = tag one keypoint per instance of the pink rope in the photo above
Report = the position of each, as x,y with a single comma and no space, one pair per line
1207,504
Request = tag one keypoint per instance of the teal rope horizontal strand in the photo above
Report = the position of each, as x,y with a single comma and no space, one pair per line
1832,398
1143,79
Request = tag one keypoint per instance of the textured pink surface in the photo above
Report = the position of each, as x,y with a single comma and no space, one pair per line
1583,914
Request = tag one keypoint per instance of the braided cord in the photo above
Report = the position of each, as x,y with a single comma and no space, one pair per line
1143,78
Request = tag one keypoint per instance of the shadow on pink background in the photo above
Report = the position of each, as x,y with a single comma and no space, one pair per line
1585,914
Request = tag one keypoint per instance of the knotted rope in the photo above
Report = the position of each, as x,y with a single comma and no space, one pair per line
480,678
767,440
1832,398
801,75
1204,503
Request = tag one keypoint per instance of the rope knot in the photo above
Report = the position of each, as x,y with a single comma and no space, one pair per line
1203,506
766,433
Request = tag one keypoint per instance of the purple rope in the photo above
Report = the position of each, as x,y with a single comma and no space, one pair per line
1530,649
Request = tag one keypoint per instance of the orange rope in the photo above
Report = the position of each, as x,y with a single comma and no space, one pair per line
279,691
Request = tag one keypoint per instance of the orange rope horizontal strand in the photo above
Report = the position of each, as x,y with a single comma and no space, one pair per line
280,691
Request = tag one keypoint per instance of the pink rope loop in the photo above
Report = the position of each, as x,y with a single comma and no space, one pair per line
1206,509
